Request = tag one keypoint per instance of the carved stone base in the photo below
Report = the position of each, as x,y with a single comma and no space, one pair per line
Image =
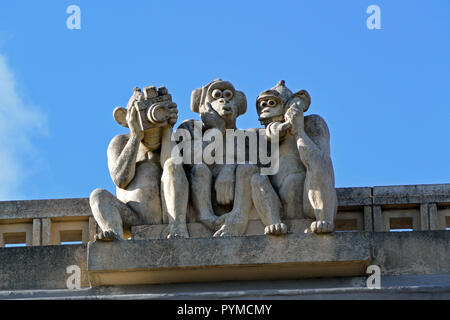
197,230
293,256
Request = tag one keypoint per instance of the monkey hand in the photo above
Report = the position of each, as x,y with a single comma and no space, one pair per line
212,119
173,113
278,129
294,116
284,128
224,185
133,124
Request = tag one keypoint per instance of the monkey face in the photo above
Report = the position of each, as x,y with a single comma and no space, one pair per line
222,96
270,108
225,101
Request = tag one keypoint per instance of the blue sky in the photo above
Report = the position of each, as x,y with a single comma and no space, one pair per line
385,94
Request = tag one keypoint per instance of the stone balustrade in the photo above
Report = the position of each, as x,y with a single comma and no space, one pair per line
388,208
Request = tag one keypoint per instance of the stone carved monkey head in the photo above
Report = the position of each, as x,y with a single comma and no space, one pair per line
152,106
221,97
272,104
120,114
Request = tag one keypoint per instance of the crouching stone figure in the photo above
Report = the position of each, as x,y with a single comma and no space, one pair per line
305,180
224,192
151,187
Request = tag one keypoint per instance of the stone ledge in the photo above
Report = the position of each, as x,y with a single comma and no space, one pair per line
398,293
294,256
356,290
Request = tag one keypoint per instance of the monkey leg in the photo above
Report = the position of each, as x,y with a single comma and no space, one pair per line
319,196
235,222
320,203
112,215
267,204
290,192
176,194
201,183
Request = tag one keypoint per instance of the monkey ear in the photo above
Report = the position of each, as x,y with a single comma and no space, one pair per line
305,97
120,115
196,96
241,101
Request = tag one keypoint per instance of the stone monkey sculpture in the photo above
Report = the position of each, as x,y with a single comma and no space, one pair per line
147,179
213,186
305,181
219,105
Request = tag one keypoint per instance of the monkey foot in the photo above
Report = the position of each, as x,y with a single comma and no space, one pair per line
178,230
209,220
275,229
233,224
322,226
107,235
227,231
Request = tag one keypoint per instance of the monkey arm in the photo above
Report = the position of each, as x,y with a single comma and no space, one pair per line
312,138
308,150
193,134
122,154
167,145
319,198
225,184
279,129
313,144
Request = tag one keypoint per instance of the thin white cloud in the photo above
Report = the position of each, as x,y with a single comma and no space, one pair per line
19,122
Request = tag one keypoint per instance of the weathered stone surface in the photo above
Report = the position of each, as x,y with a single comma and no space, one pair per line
260,257
354,196
347,197
232,258
41,267
418,252
27,209
353,288
147,232
411,194
198,230
399,254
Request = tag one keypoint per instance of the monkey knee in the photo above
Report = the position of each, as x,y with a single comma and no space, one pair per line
258,181
171,166
99,196
173,173
201,171
295,179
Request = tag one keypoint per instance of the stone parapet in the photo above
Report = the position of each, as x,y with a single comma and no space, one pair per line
48,208
411,194
384,208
